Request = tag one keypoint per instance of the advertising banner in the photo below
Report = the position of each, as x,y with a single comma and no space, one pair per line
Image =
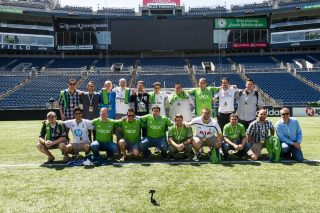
24,47
250,45
274,111
10,10
174,2
241,23
81,25
310,6
17,41
306,111
75,47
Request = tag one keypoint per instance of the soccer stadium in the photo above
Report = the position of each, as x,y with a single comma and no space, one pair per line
45,46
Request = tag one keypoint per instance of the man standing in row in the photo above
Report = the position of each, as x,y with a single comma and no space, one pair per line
69,99
226,97
90,104
122,98
159,98
181,103
203,96
108,99
249,101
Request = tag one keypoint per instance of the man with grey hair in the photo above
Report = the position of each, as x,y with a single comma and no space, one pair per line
290,134
108,99
122,98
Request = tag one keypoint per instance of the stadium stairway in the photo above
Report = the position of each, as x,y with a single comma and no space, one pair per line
306,81
81,80
268,99
17,87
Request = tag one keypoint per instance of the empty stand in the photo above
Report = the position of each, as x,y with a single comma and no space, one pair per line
36,93
285,87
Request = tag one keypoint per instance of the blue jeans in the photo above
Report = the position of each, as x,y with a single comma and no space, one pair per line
110,147
226,147
160,143
296,153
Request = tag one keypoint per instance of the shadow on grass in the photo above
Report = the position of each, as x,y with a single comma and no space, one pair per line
306,162
57,165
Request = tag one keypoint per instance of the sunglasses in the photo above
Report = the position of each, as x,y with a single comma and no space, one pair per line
72,84
285,114
131,115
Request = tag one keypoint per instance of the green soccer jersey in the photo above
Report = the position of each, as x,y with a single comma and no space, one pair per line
156,127
234,133
104,129
203,98
131,130
179,135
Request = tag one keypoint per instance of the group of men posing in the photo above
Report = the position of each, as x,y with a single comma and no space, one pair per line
180,122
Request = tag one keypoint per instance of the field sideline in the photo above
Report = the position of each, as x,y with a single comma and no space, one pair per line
229,187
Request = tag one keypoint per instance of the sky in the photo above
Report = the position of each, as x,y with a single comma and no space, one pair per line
135,3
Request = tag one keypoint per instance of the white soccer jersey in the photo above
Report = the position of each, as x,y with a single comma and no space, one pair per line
205,130
79,130
182,106
226,100
160,102
121,106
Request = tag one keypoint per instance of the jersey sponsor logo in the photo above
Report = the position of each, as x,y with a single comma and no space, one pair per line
130,131
155,127
78,132
205,132
104,131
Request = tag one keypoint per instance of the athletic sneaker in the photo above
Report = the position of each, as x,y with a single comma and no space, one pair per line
157,150
50,159
186,157
65,158
197,156
123,158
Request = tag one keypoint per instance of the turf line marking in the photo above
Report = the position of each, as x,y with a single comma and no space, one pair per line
153,163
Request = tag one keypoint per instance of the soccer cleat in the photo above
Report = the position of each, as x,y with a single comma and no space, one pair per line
171,158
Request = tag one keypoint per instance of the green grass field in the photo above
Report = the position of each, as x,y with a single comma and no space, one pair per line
232,187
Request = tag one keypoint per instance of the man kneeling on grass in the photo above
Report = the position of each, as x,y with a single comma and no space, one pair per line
258,136
52,136
104,127
80,130
131,131
179,138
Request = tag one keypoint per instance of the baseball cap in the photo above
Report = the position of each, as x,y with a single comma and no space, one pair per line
51,113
